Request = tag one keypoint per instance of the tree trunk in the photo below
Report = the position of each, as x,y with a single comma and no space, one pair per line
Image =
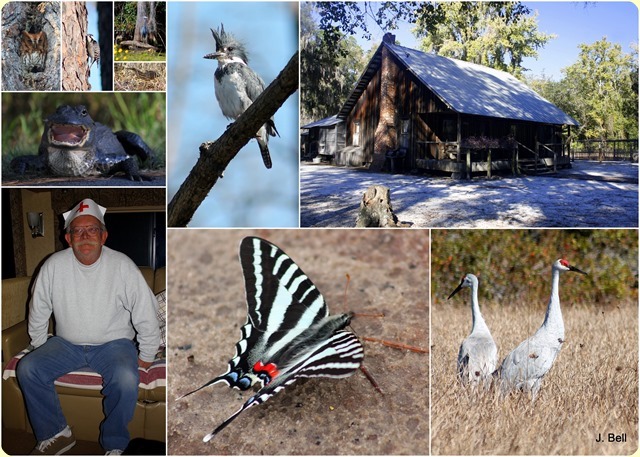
32,18
145,10
75,61
375,209
105,29
151,23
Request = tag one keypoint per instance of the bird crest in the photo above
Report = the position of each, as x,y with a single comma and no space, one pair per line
229,44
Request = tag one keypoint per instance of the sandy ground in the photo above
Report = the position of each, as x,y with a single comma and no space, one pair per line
590,194
389,273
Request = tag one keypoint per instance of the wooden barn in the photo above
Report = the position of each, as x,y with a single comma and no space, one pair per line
414,110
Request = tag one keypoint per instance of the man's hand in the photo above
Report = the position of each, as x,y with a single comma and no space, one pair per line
143,364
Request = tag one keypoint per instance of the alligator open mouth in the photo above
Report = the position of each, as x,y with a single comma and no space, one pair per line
68,134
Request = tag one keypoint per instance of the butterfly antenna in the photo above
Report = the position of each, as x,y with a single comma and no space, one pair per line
371,379
368,314
346,288
396,345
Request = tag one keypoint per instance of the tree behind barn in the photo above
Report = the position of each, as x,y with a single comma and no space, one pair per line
328,72
494,34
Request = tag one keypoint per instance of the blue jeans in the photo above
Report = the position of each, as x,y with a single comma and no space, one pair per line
117,363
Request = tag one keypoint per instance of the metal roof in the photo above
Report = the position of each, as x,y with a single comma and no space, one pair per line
467,88
326,122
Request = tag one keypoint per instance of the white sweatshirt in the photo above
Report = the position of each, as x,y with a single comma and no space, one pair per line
94,304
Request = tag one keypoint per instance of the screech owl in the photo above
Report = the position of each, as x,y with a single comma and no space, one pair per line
33,50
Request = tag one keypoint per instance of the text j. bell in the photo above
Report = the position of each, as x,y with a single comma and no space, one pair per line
613,438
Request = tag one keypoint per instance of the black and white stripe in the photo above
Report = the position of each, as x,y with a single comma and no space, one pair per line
337,357
288,324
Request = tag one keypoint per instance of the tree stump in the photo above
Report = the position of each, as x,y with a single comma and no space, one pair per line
375,209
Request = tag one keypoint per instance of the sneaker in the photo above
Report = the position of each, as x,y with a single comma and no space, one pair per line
58,444
115,452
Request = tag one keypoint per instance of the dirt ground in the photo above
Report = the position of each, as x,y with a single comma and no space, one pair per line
389,273
590,194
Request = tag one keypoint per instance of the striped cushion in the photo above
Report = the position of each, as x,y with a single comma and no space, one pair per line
154,376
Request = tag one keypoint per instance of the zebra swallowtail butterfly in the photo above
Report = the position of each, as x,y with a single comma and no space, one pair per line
289,333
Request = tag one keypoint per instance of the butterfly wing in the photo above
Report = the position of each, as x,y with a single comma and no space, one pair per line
337,357
282,302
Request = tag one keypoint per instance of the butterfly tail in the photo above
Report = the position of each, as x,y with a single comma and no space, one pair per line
255,400
213,381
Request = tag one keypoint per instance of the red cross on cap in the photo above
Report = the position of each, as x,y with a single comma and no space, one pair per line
82,207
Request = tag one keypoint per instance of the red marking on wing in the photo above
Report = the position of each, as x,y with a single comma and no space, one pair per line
270,368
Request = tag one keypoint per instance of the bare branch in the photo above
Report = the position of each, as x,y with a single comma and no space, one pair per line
216,156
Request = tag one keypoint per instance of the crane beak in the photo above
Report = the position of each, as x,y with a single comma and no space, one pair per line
571,268
457,290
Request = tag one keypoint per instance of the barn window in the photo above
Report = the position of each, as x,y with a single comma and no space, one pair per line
356,133
405,128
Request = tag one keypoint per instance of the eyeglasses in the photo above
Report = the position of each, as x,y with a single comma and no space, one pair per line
79,231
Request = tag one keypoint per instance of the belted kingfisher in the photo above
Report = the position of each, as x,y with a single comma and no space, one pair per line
237,85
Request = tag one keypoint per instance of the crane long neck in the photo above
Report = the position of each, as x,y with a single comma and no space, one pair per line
553,317
478,321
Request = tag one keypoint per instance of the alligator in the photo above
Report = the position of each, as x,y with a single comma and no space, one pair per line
74,145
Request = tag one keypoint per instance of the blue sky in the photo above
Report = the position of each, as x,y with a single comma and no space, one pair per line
92,18
573,23
249,195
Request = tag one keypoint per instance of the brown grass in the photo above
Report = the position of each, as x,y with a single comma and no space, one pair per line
592,388
140,76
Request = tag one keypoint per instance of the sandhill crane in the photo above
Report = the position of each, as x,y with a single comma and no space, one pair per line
478,354
524,368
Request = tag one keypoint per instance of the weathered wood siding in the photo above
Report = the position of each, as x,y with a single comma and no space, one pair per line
433,127
412,98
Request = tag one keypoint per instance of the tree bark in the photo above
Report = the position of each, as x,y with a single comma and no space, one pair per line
145,9
75,63
19,17
216,156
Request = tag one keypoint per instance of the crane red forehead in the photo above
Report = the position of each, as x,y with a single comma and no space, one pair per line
564,262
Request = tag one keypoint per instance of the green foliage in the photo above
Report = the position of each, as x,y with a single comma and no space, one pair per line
600,91
23,116
125,18
349,18
602,79
495,34
514,266
327,75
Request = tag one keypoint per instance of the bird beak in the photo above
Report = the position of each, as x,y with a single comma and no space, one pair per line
214,55
456,291
571,268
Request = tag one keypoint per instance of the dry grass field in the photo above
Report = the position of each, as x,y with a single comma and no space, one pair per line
592,389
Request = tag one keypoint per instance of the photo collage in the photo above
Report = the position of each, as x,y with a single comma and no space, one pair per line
319,228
